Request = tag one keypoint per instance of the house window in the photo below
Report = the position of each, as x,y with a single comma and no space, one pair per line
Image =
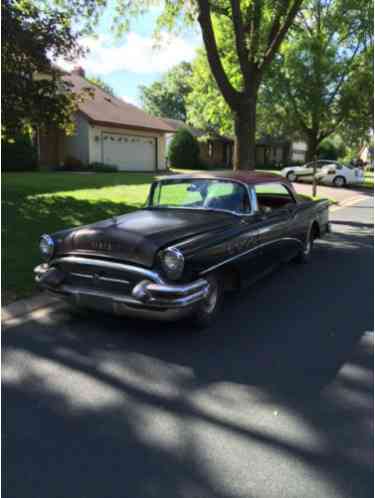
210,149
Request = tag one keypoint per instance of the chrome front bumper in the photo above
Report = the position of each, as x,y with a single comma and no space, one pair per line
149,298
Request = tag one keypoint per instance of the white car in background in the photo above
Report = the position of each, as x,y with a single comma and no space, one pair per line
327,172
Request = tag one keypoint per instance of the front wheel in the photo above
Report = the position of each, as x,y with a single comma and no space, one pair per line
339,181
208,309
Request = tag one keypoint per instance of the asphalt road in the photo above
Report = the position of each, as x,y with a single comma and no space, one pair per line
275,401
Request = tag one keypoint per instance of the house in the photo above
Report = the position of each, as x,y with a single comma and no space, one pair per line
108,130
273,150
217,150
214,149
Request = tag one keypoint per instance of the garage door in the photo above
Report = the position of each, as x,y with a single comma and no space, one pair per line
129,152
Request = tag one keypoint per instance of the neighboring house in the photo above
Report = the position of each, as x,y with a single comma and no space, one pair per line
218,150
214,149
271,150
109,131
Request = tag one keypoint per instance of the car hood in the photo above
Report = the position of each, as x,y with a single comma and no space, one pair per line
137,237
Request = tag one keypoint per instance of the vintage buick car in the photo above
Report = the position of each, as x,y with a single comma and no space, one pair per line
197,236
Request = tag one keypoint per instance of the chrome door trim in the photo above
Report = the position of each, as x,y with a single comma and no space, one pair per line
232,258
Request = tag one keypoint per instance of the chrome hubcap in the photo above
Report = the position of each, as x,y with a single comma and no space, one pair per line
339,182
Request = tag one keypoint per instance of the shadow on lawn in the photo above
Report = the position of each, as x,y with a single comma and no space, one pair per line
29,217
108,407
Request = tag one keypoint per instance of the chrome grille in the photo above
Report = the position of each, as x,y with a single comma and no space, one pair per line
94,277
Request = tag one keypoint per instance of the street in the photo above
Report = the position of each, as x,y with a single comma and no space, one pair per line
274,401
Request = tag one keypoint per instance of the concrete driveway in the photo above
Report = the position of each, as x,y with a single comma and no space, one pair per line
341,195
275,401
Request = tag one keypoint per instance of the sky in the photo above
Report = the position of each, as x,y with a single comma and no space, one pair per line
133,59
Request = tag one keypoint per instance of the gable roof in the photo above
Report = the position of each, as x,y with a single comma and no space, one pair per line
103,109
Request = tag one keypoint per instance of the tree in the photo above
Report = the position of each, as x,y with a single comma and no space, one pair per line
206,107
97,81
34,94
256,29
166,98
321,82
183,150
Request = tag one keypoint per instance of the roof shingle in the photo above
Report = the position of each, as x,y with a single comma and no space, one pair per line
104,109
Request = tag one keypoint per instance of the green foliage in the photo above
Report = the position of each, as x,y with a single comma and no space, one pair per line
166,98
97,81
206,107
103,168
321,82
327,150
184,150
34,93
19,154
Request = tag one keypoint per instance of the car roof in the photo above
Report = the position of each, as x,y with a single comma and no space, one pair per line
247,177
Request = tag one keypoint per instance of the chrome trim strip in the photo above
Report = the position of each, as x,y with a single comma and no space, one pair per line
112,265
100,278
218,265
158,303
180,290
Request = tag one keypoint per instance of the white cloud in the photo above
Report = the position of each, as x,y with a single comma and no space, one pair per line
130,100
139,54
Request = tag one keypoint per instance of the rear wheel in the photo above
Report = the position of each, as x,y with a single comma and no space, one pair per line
339,181
292,177
208,309
305,255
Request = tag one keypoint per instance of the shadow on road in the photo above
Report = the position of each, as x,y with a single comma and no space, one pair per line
107,407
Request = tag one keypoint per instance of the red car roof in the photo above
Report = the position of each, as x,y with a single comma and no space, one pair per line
248,177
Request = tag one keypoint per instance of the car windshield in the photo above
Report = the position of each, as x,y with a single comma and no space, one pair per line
200,194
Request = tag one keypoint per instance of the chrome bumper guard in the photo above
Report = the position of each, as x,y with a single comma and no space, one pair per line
146,294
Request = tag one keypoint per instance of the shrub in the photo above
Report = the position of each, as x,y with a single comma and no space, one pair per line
103,168
184,150
71,163
331,150
19,155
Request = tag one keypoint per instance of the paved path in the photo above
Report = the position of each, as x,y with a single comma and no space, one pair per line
338,194
275,402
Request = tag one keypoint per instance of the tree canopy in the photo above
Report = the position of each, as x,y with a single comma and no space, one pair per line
33,93
322,81
167,98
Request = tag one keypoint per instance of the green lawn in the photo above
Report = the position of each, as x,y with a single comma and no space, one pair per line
369,179
36,203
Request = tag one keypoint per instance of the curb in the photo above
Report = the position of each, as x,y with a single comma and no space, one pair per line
25,306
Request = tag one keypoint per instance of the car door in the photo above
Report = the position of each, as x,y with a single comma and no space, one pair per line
277,234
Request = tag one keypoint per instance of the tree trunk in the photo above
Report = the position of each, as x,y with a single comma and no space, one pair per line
244,129
312,146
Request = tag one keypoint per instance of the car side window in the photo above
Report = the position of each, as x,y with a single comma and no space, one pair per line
272,197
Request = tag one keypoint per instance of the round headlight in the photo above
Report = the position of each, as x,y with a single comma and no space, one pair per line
46,246
172,261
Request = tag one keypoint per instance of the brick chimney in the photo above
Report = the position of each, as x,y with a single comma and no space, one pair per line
79,70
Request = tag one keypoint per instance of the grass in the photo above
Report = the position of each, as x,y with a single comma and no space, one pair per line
369,179
36,203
